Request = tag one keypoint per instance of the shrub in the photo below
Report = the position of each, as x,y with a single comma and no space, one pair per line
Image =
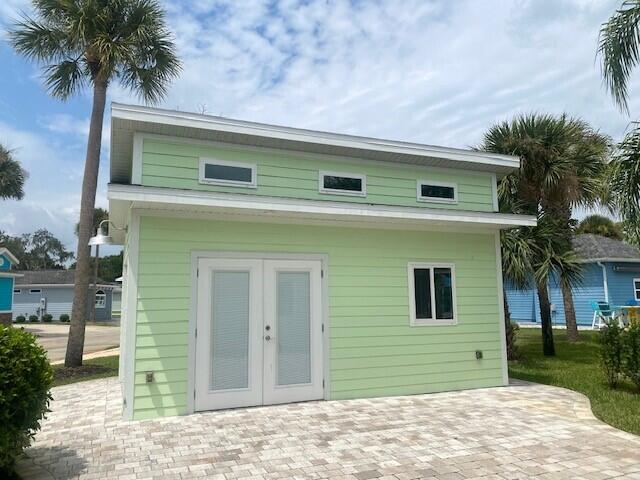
47,317
25,377
21,319
64,318
631,353
33,318
611,352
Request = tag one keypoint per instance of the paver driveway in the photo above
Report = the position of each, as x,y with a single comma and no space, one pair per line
523,431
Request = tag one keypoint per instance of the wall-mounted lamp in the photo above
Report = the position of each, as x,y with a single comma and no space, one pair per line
100,238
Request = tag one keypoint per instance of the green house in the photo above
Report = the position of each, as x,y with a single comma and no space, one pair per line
265,264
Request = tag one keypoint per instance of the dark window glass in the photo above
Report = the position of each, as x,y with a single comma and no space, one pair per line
437,191
342,183
443,293
422,287
230,173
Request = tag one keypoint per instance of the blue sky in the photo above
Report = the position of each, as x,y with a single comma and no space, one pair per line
437,72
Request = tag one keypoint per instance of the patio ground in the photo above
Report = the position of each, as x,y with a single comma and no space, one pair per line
516,432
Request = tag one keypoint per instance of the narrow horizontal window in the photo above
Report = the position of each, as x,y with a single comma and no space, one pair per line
342,183
432,294
35,290
221,172
429,191
17,290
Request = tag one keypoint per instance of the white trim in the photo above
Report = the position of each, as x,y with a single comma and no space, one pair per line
136,158
5,251
131,315
494,192
422,198
157,197
605,282
636,291
418,322
103,296
609,260
203,161
335,191
501,313
10,275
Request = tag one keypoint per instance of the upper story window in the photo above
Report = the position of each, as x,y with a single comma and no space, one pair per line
432,294
340,183
442,192
221,172
101,299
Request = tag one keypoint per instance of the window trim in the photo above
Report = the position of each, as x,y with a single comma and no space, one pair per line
419,322
35,290
636,291
100,293
436,183
333,191
17,291
229,183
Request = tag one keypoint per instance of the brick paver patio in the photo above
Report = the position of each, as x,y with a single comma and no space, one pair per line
522,431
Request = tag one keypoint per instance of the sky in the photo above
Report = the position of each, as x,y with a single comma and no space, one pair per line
428,71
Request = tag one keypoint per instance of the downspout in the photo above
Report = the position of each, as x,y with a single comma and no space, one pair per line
605,283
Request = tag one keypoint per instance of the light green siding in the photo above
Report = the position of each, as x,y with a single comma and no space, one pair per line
373,350
167,163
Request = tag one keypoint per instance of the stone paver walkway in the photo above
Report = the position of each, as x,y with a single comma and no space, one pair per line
517,432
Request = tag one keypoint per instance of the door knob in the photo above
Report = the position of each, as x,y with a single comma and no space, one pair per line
268,337
267,328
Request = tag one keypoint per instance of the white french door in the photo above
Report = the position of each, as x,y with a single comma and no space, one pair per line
259,332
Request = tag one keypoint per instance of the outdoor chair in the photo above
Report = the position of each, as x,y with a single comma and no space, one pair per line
602,313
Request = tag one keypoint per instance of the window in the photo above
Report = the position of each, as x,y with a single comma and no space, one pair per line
432,294
441,192
343,183
636,288
101,299
16,291
219,172
35,290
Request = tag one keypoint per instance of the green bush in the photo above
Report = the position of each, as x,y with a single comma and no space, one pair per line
631,353
25,379
47,317
33,318
64,318
611,352
20,319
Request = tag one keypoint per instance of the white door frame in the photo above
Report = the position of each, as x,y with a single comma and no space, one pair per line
193,310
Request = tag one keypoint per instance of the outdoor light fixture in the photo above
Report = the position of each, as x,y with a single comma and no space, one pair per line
101,238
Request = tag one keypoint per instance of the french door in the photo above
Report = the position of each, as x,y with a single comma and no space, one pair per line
259,332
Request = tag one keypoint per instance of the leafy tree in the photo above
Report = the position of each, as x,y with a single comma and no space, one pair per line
600,225
43,251
15,245
12,176
96,43
110,267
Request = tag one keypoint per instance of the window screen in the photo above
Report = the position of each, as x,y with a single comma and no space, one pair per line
333,182
228,173
437,191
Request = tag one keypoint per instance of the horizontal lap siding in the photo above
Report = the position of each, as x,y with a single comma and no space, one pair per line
286,174
373,351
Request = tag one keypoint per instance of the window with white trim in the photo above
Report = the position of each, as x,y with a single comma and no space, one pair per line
222,172
432,294
636,288
440,192
17,291
101,299
341,183
35,290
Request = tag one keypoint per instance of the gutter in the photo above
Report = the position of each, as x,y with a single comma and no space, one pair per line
605,283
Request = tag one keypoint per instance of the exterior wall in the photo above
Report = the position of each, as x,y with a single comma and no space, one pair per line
5,263
169,163
620,279
373,350
59,301
6,293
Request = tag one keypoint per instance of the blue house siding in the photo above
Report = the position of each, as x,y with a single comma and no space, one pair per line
620,278
6,293
59,300
5,263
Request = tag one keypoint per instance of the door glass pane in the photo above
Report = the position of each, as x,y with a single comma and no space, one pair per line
230,330
422,287
293,332
444,293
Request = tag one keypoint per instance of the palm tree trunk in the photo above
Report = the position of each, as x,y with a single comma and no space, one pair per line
75,343
548,347
569,312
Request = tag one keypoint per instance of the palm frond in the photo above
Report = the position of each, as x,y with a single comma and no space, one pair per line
12,176
64,78
625,183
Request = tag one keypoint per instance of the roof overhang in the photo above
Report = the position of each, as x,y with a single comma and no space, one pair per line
609,260
249,208
10,275
5,251
59,285
129,119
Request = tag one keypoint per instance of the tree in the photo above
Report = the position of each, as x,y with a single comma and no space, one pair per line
12,176
600,225
96,42
619,50
99,215
42,250
562,161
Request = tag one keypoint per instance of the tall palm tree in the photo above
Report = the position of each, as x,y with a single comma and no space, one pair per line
599,225
12,176
562,164
96,42
619,50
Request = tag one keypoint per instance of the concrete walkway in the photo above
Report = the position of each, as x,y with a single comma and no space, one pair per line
517,432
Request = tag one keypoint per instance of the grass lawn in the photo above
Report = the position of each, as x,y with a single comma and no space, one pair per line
576,366
90,370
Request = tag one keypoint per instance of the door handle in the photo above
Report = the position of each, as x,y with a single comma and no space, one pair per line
267,337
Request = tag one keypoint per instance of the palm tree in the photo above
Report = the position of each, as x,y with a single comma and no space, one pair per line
562,164
599,225
619,50
96,42
12,176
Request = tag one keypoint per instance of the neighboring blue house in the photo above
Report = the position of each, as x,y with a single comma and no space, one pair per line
51,291
611,273
7,260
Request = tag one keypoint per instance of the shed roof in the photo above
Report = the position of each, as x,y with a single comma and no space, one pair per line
594,248
49,277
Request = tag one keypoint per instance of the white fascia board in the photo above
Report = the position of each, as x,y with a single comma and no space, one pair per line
5,251
169,196
10,275
208,122
59,285
610,260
